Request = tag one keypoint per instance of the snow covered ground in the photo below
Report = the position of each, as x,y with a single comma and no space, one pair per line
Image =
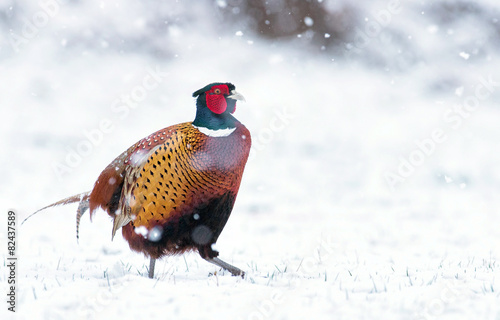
371,192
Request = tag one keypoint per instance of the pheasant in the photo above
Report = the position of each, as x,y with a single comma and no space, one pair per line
174,190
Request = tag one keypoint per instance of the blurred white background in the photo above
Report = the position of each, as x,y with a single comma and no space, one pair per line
372,187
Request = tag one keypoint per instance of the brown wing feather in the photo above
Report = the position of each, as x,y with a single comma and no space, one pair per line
107,191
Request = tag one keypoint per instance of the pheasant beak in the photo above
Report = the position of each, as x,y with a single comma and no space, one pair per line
236,96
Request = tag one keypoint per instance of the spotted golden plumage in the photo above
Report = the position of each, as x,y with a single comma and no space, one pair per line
174,190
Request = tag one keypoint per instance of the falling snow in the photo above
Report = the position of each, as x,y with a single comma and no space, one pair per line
459,91
309,21
464,55
142,230
221,3
155,234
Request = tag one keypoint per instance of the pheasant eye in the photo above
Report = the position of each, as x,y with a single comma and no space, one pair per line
217,91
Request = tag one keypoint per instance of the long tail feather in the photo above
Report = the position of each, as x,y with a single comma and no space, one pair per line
82,197
82,207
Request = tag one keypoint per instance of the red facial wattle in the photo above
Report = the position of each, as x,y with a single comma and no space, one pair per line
216,101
